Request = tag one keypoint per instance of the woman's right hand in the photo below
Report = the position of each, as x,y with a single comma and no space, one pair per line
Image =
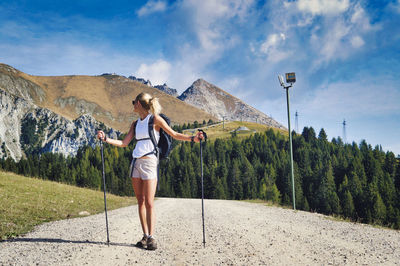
101,135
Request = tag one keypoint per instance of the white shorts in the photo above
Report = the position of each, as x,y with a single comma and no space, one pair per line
145,169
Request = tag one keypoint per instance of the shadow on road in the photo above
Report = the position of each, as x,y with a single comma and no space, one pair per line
58,240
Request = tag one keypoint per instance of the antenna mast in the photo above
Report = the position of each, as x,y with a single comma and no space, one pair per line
344,131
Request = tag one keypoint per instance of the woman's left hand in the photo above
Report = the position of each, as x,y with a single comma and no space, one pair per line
199,136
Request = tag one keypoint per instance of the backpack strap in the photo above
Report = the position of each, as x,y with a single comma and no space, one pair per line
134,128
152,136
156,151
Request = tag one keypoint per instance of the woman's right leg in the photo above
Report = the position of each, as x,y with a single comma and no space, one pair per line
137,184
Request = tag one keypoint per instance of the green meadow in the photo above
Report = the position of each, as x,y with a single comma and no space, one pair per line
27,202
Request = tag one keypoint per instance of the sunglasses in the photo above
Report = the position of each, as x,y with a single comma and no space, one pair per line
133,102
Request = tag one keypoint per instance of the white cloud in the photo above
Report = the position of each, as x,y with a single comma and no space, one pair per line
396,6
332,41
210,20
272,41
202,34
323,7
271,47
152,7
338,37
158,72
357,42
320,31
360,19
354,99
13,29
59,57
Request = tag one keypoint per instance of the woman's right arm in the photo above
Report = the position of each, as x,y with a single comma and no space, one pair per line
116,142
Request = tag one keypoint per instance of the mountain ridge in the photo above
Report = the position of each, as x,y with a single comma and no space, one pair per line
224,105
74,102
108,98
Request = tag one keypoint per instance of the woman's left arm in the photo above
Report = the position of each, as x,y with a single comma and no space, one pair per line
160,122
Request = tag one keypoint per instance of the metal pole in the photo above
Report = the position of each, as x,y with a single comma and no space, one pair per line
291,147
104,187
202,194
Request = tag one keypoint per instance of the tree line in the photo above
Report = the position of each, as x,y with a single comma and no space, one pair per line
354,181
196,124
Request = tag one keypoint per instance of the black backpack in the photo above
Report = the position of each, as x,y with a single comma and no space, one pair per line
164,146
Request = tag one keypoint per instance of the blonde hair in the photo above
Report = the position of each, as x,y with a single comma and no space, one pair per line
149,103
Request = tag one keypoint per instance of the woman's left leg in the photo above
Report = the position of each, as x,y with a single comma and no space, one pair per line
149,191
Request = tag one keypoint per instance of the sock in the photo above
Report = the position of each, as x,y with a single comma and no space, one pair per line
149,236
146,235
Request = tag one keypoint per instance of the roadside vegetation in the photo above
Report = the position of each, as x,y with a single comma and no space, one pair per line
355,181
27,202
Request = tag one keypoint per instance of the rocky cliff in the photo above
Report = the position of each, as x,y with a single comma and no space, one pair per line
167,90
221,104
26,128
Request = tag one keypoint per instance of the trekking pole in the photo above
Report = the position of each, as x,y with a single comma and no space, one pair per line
104,188
202,185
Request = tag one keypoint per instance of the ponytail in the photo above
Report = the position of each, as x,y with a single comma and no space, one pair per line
149,103
155,107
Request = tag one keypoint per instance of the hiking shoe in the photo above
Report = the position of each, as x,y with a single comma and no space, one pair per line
151,244
142,243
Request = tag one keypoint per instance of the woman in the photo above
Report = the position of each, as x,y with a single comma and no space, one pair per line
144,174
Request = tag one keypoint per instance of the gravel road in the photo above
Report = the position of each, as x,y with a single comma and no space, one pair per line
237,233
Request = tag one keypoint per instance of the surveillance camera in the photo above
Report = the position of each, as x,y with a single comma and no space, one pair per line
281,80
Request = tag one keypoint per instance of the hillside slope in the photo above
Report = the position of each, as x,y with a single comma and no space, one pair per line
108,98
26,202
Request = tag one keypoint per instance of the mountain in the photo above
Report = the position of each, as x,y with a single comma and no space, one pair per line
60,114
108,97
26,128
141,80
219,103
167,90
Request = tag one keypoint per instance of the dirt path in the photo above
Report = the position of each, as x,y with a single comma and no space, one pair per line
237,233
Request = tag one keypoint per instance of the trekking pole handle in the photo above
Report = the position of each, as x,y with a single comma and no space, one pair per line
204,134
97,135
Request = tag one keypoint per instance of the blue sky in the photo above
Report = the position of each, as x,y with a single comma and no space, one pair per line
346,53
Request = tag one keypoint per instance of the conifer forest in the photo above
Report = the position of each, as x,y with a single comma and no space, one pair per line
353,181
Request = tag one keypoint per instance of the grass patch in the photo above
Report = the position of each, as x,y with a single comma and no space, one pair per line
264,202
27,202
221,131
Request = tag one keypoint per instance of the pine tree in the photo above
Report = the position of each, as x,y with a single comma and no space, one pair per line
346,199
326,197
249,180
268,188
234,181
376,206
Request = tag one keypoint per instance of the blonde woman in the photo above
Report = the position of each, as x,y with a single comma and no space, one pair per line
144,174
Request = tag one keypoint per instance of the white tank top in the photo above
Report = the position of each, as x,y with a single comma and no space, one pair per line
141,132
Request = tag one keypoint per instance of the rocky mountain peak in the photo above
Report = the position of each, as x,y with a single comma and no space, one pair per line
141,80
221,104
165,88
